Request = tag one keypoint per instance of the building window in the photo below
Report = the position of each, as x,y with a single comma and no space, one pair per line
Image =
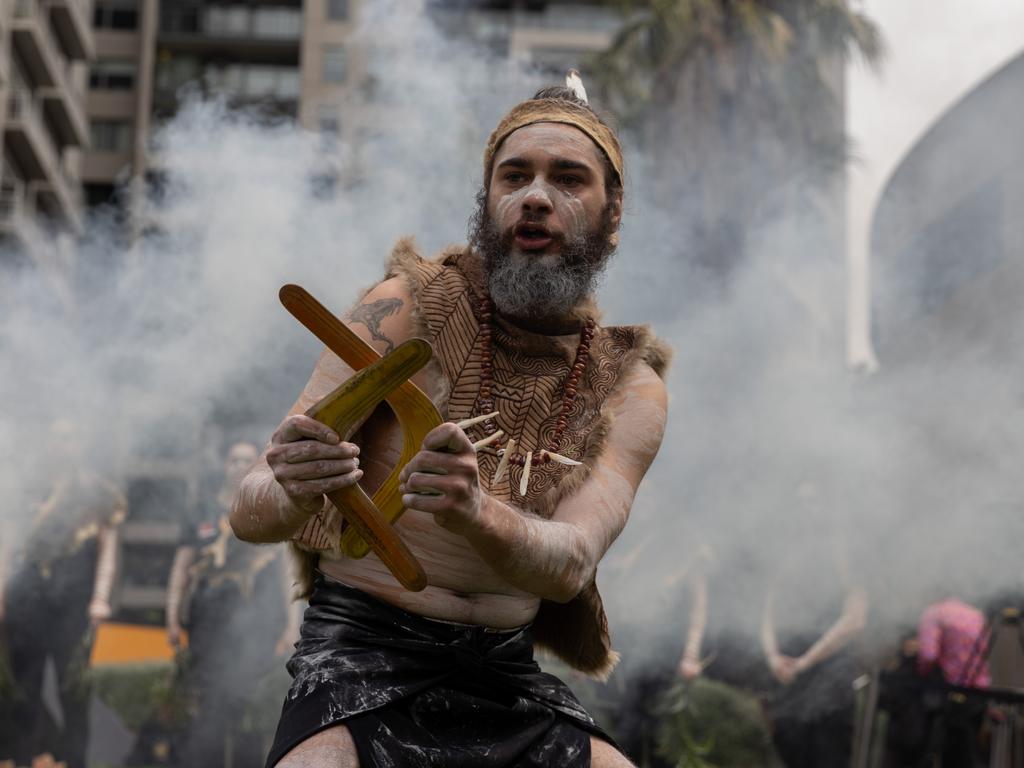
337,10
112,75
111,135
277,23
116,14
335,64
329,125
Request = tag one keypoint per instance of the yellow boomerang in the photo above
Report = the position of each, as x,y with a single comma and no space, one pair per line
386,378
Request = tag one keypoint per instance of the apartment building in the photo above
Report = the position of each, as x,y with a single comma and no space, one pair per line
44,45
552,35
282,58
120,94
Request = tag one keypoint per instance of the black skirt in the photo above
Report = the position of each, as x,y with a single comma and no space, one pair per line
418,692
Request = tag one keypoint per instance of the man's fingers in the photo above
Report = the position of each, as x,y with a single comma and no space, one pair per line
423,482
310,450
301,427
315,470
424,503
440,463
425,463
312,488
447,438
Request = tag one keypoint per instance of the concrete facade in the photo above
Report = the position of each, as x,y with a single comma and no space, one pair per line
44,45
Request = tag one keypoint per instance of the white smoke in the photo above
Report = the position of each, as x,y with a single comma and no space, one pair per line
762,404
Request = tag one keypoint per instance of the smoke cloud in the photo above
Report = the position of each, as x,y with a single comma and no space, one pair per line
777,454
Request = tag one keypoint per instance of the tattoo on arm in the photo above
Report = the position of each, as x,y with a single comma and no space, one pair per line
371,315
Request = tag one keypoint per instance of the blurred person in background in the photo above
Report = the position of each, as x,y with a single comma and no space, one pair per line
813,611
952,641
235,602
56,575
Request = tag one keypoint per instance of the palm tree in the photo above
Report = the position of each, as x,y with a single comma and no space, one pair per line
740,104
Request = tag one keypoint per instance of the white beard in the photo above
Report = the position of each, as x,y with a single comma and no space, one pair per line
537,287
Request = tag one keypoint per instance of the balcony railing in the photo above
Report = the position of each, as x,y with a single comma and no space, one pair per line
12,198
245,82
75,16
270,23
15,218
57,69
30,22
26,110
23,108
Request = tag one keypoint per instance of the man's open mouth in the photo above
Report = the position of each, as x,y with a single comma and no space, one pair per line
531,236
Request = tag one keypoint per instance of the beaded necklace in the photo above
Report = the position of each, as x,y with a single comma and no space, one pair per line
485,402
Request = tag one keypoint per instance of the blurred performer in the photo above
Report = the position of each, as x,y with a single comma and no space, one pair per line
239,616
59,590
648,678
952,638
720,672
446,676
811,616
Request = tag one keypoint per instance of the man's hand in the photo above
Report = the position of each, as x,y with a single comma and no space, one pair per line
309,459
784,668
442,480
174,634
689,668
99,611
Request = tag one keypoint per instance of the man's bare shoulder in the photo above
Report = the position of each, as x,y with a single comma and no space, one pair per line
384,316
639,407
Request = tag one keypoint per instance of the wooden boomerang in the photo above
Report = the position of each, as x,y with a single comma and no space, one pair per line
415,412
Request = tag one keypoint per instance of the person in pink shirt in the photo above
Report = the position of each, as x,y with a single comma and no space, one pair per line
952,636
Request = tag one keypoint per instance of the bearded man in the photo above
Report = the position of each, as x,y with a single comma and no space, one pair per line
510,535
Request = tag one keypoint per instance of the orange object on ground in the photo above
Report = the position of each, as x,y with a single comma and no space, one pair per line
130,643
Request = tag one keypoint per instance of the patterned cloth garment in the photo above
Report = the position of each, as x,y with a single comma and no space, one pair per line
952,635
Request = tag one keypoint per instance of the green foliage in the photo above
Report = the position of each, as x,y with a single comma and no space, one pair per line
747,43
740,102
140,693
707,724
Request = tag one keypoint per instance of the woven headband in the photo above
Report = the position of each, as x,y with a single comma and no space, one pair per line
551,110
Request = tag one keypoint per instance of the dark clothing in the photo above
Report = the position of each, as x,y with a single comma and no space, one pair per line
417,692
47,603
235,616
43,621
812,718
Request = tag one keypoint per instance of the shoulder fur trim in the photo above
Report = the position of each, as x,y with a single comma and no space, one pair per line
658,355
406,263
404,257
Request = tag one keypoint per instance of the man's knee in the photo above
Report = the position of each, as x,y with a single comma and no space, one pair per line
604,755
330,748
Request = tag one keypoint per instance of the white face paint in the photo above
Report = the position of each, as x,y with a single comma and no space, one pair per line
568,208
